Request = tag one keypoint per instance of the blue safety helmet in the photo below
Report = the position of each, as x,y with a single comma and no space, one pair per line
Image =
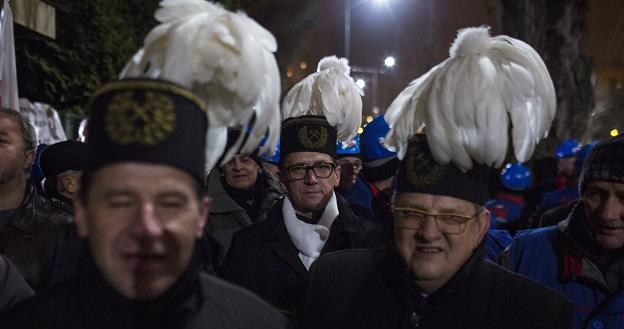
569,148
371,141
351,148
516,177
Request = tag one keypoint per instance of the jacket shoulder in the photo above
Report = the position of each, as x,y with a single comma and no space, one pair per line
51,309
521,299
348,260
227,303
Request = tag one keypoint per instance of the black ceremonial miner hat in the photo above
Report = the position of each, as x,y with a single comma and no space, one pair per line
308,133
63,156
150,121
419,172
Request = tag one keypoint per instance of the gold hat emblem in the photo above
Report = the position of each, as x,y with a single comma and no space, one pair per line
130,122
313,138
420,168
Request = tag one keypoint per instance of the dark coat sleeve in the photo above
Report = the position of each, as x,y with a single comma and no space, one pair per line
13,288
236,264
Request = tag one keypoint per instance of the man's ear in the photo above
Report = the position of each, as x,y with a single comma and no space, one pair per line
283,177
337,173
80,217
483,219
70,184
204,210
29,158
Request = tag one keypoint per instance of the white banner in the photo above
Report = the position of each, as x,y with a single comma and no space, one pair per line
45,119
8,75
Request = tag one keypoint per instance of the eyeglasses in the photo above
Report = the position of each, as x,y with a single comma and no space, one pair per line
413,219
356,165
320,170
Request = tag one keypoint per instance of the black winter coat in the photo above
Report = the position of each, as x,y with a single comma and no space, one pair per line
194,301
13,288
371,289
263,258
33,236
226,216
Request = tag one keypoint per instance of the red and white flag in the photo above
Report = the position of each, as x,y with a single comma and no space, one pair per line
8,76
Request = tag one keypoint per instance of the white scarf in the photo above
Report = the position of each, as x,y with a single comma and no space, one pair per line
309,239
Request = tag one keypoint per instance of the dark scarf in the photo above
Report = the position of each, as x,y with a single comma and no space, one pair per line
248,200
578,232
104,307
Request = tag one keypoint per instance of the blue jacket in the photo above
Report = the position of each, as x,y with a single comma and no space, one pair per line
550,256
506,208
559,196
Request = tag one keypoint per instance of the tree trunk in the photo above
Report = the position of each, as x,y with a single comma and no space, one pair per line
557,29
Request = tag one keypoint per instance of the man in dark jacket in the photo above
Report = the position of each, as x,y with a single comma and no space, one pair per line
141,210
435,275
272,258
582,256
31,227
62,164
236,206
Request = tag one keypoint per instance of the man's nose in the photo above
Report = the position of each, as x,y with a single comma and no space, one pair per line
429,229
612,209
310,177
147,224
237,164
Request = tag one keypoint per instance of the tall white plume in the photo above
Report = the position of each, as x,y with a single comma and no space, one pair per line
226,59
330,92
490,89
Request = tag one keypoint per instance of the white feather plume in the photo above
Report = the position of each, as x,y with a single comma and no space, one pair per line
469,103
226,59
330,92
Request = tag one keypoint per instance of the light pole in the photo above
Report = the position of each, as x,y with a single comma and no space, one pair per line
389,62
347,30
347,25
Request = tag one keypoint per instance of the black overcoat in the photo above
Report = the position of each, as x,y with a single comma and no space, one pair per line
263,259
371,289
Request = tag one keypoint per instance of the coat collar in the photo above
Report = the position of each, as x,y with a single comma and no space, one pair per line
222,201
276,236
23,218
578,254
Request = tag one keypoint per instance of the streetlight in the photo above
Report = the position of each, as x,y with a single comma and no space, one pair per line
389,61
347,25
380,2
360,83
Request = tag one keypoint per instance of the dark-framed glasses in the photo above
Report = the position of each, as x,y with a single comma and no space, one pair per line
413,219
320,170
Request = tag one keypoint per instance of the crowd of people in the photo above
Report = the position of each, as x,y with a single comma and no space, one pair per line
409,224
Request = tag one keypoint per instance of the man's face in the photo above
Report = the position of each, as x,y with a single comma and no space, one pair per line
432,256
310,194
349,170
15,160
141,221
604,208
567,166
241,172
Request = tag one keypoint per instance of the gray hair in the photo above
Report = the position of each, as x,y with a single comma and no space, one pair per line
29,134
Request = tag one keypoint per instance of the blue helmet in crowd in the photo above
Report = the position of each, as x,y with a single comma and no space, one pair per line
352,148
516,177
569,148
371,141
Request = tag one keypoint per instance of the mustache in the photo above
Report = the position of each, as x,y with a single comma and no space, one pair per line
612,224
